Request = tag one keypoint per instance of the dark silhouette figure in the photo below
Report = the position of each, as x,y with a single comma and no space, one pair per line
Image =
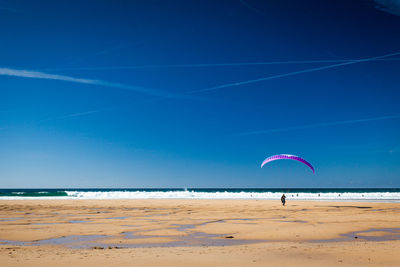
283,199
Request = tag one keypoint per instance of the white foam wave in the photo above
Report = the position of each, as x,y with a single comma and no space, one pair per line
231,195
334,196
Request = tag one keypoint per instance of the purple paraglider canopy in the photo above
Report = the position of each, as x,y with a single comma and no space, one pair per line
286,156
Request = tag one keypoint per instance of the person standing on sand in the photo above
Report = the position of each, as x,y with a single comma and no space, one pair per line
283,199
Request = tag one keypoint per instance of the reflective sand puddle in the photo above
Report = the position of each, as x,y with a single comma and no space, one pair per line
78,221
186,239
188,236
43,224
64,240
383,234
118,218
10,219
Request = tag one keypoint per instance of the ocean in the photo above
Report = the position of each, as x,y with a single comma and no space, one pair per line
345,194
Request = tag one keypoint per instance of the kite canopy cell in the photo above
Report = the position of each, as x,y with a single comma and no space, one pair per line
286,156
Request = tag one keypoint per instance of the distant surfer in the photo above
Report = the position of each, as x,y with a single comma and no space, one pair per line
283,199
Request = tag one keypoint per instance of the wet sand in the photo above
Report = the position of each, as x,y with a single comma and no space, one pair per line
198,233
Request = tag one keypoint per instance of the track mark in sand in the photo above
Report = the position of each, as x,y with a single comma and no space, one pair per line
295,221
357,207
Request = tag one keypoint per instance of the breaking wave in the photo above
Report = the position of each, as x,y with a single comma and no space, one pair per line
294,194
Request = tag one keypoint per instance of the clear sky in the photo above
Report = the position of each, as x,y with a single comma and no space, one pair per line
198,93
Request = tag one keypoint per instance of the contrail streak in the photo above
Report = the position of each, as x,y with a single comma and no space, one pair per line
79,114
252,8
293,73
317,125
43,75
72,115
202,65
9,9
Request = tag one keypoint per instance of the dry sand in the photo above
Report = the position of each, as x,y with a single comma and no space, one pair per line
198,233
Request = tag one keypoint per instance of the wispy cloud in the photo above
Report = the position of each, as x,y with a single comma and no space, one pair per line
48,76
293,73
316,125
389,6
104,52
79,114
72,115
205,65
8,6
118,47
9,9
250,7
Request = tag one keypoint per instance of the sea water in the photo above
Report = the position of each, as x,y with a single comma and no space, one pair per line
346,194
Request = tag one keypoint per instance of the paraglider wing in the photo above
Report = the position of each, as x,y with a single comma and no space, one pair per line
285,156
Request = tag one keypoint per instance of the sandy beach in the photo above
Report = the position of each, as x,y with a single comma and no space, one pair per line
198,233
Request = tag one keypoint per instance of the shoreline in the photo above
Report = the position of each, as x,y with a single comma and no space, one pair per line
318,194
387,201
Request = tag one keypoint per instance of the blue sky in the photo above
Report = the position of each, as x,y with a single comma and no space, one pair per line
198,93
